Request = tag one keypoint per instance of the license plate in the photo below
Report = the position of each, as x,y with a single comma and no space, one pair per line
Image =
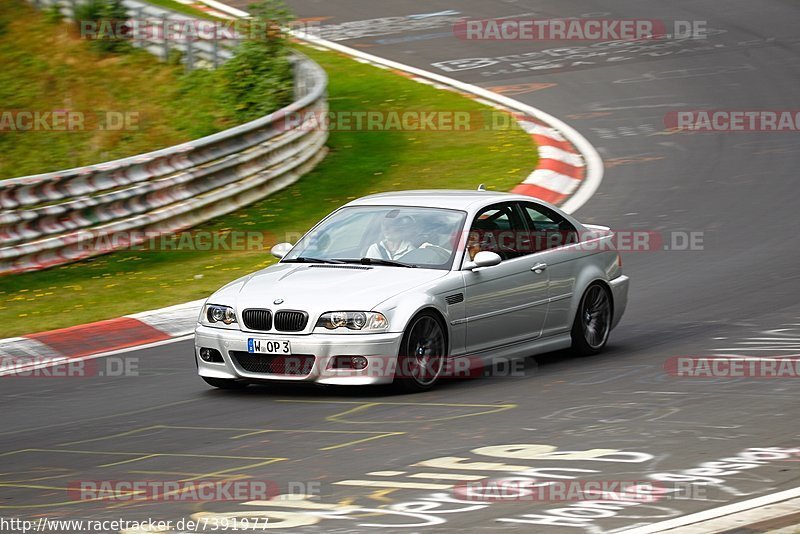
269,346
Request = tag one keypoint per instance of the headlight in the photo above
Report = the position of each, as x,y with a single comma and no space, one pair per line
214,314
353,320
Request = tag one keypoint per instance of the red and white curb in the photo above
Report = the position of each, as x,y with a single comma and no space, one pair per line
568,173
561,168
94,340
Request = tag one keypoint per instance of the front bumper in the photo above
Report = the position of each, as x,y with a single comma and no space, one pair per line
619,291
380,350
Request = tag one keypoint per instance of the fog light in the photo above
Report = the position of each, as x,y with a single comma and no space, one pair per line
358,362
210,355
348,362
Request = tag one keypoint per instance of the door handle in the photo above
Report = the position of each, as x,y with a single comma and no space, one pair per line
539,267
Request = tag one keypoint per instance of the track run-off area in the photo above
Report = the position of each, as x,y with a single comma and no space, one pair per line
364,460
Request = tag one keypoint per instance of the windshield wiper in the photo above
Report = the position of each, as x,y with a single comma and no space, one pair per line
379,261
305,259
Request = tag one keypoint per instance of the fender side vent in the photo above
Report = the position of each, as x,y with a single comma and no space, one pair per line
454,299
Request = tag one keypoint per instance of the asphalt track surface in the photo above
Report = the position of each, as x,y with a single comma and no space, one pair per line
737,296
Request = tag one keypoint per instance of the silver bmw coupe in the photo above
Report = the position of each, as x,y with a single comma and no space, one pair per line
411,287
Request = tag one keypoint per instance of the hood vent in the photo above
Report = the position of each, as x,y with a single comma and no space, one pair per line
454,299
352,267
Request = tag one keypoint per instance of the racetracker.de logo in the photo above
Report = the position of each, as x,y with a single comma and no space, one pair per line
732,367
734,120
524,489
564,29
172,490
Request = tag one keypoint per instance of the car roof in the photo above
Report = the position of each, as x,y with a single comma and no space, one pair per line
440,198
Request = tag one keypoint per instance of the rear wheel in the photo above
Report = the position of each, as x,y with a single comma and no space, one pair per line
422,354
592,322
224,383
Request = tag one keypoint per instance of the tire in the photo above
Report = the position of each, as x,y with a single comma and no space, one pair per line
592,322
422,356
224,383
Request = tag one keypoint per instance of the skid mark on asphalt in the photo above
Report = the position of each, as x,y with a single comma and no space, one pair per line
769,342
520,88
364,412
631,160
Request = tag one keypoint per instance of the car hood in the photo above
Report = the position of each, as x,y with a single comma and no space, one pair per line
318,288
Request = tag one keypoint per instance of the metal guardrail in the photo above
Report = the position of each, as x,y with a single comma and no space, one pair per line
59,217
156,24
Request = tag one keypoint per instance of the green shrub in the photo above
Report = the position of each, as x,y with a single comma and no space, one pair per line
259,78
53,13
99,12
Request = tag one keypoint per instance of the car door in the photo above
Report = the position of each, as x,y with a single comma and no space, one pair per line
554,241
505,303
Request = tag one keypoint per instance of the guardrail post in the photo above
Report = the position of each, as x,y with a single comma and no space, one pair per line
215,45
164,31
189,52
138,21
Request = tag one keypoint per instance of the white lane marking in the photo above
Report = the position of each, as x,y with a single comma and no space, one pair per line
148,313
592,159
740,521
62,360
714,513
552,152
178,320
439,14
553,181
226,8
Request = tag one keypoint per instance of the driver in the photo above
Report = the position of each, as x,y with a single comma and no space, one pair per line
396,243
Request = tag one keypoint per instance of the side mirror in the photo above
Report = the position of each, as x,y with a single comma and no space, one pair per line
281,249
484,258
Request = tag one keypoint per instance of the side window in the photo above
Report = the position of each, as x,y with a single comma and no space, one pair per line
547,228
496,229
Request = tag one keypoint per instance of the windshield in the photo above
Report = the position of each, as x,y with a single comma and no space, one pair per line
398,236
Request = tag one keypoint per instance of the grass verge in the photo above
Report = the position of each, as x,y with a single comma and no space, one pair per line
47,67
359,163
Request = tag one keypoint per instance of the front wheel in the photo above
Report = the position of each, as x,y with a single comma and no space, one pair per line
224,383
422,354
592,322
